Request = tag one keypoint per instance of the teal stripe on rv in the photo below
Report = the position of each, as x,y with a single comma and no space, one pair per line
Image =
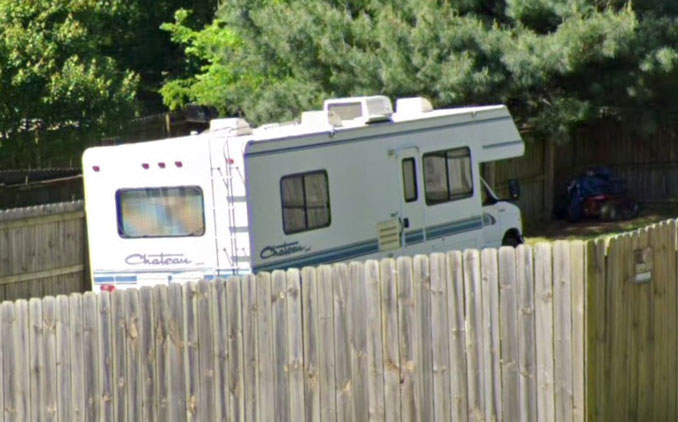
371,246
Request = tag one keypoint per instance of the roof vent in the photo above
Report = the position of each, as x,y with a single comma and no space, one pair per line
360,109
234,126
414,105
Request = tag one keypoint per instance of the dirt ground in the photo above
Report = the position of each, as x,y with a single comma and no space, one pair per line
591,228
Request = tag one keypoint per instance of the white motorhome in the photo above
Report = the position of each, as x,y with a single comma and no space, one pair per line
353,181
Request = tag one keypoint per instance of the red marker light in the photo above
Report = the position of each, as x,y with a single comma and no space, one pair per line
96,168
107,288
161,165
178,164
230,161
145,166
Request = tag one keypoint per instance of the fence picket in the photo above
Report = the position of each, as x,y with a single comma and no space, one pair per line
295,345
134,337
423,342
510,347
78,404
455,313
440,343
527,340
178,406
190,349
36,360
234,347
105,348
492,347
312,347
578,283
326,361
206,371
358,341
250,310
375,358
390,334
279,324
147,354
265,341
162,339
63,359
543,296
408,333
476,368
342,343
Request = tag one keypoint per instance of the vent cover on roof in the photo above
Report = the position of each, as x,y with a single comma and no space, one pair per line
360,109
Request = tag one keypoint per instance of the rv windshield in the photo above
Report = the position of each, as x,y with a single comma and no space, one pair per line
160,212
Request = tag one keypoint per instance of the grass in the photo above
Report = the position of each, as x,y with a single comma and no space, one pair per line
548,231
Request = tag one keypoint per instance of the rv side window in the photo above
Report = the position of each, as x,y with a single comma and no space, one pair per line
409,180
447,175
305,201
160,212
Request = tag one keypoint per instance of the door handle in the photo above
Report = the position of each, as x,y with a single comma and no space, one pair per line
406,222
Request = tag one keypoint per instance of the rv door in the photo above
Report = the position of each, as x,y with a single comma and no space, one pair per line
411,211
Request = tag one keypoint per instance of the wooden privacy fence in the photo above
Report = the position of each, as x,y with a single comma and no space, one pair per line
43,251
633,326
473,336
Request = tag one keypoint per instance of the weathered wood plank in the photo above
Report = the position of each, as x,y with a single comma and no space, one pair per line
671,320
491,340
90,357
543,294
236,398
527,349
279,323
36,359
595,329
219,302
410,396
178,408
146,324
509,333
476,369
206,405
63,359
312,347
614,398
14,374
578,290
358,341
375,357
457,330
651,316
342,343
190,349
390,334
163,369
248,290
105,349
440,327
21,338
78,404
265,341
118,336
562,330
424,362
134,368
295,345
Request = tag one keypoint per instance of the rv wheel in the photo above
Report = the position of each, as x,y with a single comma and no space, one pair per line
512,238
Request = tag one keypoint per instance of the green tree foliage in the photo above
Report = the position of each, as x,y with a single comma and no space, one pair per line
555,63
54,79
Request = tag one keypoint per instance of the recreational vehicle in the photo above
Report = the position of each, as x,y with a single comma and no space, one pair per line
356,180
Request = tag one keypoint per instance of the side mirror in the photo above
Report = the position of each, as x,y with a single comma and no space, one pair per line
514,189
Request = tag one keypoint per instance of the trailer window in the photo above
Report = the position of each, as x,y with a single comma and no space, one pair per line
305,201
409,180
160,212
447,175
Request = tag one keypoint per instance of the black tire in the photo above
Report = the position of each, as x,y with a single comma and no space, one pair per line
512,238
